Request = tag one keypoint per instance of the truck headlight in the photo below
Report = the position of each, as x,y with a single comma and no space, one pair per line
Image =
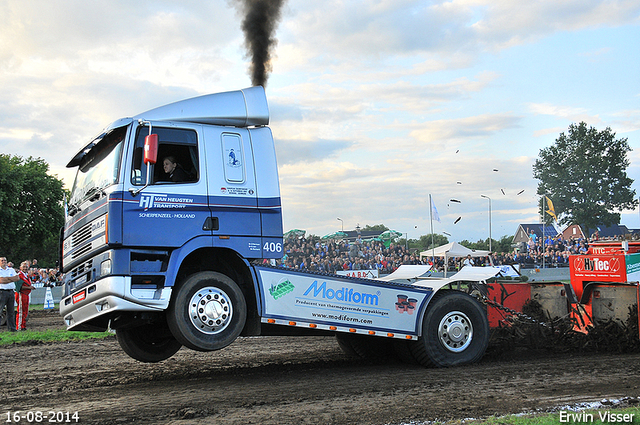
105,267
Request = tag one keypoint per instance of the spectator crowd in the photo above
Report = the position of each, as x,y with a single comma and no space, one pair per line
335,255
41,277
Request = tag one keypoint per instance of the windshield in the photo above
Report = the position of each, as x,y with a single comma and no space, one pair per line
99,167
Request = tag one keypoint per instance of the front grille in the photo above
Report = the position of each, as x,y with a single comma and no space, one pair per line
81,269
81,235
80,252
90,236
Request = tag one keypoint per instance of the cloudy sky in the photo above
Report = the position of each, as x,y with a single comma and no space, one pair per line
375,105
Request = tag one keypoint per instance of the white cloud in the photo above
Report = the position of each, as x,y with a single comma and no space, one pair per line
369,101
567,113
455,130
505,23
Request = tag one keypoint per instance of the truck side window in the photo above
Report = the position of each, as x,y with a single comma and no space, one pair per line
180,145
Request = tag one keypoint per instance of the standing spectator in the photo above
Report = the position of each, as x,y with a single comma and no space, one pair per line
53,280
7,278
44,278
23,289
530,244
583,248
34,276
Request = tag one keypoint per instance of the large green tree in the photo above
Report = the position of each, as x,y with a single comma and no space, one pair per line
501,246
425,241
585,175
377,227
31,210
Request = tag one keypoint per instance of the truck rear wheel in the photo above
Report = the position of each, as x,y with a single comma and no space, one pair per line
402,348
150,343
208,311
455,331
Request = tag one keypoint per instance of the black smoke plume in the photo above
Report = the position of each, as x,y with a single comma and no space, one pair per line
260,20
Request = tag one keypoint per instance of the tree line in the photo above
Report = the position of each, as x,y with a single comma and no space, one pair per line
31,212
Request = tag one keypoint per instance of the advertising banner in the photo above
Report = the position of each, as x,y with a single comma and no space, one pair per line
364,274
605,268
633,267
342,302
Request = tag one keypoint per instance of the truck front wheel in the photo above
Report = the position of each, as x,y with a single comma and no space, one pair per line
150,343
455,331
208,311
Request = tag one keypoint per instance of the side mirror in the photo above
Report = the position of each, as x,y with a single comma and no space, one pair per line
150,156
151,149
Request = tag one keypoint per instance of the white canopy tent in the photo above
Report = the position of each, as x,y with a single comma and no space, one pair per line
450,250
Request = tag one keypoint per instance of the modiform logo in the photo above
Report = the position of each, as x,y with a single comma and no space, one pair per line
342,294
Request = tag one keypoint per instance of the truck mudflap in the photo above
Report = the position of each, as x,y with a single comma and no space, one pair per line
84,309
341,303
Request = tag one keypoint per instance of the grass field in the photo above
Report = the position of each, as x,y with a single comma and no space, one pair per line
30,336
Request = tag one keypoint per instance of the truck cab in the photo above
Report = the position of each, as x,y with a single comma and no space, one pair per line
133,232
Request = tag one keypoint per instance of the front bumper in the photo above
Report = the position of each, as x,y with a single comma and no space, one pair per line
106,297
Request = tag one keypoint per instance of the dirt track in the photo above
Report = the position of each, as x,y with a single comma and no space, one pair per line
295,380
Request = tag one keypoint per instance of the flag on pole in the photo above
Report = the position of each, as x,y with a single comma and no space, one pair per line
434,212
551,211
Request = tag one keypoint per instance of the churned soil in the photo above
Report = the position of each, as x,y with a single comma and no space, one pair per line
295,380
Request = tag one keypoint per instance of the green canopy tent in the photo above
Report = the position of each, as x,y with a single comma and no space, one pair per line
336,235
295,233
376,239
389,236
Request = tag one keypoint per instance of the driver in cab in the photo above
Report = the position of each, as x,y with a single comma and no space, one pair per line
173,170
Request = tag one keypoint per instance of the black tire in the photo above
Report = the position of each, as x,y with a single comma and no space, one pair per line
402,348
366,347
455,331
208,311
150,343
345,344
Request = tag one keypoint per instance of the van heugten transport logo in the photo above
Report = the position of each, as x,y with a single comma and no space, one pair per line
163,201
281,289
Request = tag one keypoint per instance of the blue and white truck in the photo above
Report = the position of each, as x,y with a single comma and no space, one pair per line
168,263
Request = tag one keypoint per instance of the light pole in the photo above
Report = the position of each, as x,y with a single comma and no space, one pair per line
486,197
341,222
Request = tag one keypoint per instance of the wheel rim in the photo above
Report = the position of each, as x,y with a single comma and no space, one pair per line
455,331
210,310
